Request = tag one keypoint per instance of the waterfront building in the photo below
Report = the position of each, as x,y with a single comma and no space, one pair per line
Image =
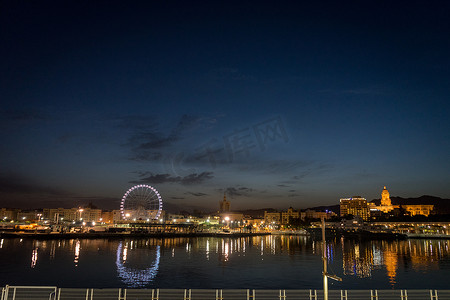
286,216
73,214
107,217
61,214
419,209
29,215
412,209
356,206
228,217
8,214
272,217
255,222
312,214
232,218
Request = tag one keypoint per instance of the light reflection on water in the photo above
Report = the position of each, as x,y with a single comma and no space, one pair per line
251,262
136,276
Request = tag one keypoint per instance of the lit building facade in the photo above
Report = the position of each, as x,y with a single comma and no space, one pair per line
73,214
412,209
356,206
386,205
288,215
420,209
272,217
312,214
8,214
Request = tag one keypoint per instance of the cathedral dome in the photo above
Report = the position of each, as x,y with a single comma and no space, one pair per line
385,200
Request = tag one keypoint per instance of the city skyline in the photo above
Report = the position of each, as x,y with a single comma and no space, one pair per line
276,104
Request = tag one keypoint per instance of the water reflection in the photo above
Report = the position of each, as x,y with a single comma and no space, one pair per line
77,252
145,262
132,272
361,258
34,257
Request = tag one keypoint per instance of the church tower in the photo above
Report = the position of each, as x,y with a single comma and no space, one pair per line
385,200
224,206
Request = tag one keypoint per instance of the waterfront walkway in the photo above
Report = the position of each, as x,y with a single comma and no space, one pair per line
109,235
55,293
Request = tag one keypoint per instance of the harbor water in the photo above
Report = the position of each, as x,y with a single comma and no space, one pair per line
258,262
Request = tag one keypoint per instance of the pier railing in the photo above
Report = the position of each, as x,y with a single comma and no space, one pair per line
55,293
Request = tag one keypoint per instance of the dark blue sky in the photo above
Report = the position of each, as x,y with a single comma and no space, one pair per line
279,103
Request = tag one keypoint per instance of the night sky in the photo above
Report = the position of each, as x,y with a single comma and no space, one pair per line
276,103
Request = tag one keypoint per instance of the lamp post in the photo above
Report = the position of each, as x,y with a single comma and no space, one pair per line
324,257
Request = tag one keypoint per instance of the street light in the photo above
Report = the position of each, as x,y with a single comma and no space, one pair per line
325,274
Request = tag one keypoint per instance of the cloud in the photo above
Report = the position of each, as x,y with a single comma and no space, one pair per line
236,191
283,185
191,179
196,194
148,140
311,171
196,178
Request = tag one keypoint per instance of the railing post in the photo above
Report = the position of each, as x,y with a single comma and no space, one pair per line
344,295
312,296
59,293
282,294
52,295
187,294
404,294
373,296
122,296
433,296
250,296
219,295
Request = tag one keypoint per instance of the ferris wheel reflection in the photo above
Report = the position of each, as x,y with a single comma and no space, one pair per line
129,259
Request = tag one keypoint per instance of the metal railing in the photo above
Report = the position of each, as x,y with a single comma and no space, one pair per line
55,293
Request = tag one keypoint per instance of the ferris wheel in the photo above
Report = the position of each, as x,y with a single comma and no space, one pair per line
141,202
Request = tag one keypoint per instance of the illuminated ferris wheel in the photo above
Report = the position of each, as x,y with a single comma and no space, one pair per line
141,202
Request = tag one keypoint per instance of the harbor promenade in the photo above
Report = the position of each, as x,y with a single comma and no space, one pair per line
121,235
